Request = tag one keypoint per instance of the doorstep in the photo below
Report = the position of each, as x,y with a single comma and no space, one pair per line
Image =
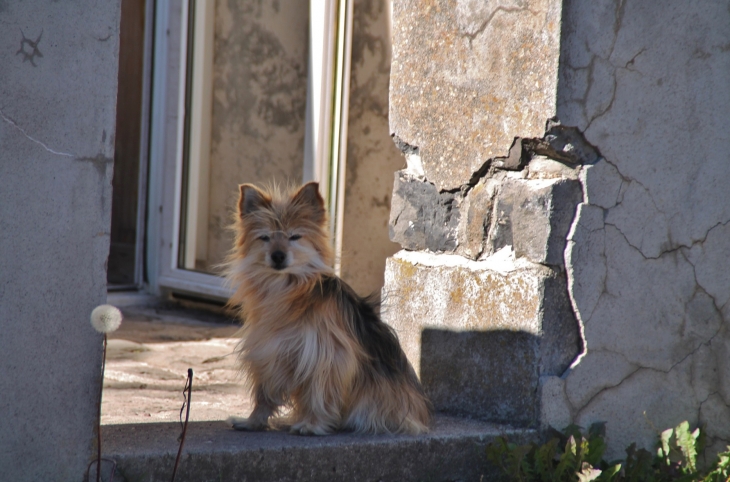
454,450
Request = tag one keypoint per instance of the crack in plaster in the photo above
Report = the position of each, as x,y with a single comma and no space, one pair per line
668,250
579,410
694,351
31,138
490,17
614,81
626,181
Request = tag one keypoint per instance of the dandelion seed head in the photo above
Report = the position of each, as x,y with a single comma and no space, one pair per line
106,318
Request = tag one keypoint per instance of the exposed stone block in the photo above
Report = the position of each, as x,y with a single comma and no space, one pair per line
475,217
421,217
515,160
481,333
543,167
535,217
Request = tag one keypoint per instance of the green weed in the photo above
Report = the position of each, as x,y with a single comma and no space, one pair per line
572,456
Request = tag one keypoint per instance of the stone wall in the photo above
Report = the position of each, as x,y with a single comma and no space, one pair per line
583,139
58,90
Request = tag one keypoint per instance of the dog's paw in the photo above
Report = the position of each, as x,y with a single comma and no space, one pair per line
306,428
247,424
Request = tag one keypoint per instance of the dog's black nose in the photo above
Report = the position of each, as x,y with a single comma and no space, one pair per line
278,258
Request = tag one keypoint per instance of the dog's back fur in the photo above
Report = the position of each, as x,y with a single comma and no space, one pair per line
309,341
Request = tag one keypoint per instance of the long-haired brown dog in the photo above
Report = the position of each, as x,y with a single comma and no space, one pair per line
309,342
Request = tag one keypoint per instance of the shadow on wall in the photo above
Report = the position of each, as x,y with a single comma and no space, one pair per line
488,375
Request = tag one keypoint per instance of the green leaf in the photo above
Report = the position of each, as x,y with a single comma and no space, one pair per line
567,463
597,430
545,460
638,467
610,473
686,441
664,448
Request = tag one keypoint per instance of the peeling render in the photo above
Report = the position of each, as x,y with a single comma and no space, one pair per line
519,210
538,178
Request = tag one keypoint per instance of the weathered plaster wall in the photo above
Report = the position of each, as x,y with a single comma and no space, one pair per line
638,96
371,155
259,97
648,85
58,87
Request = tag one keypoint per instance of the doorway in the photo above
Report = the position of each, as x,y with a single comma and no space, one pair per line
126,251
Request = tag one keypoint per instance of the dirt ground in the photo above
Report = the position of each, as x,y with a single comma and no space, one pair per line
147,363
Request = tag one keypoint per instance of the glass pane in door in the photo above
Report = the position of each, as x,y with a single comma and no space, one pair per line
247,88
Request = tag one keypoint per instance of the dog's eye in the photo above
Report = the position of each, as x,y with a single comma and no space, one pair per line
294,237
264,238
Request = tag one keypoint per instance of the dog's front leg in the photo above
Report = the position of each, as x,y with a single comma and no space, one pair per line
264,408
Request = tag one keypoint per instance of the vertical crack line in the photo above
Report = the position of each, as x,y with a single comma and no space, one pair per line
571,282
44,146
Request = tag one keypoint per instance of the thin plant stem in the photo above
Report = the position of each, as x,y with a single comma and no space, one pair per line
189,387
98,417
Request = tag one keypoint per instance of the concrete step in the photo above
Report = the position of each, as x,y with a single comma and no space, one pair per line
453,451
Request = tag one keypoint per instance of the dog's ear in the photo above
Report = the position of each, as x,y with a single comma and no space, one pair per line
251,199
308,195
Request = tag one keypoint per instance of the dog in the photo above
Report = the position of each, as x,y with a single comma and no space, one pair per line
309,343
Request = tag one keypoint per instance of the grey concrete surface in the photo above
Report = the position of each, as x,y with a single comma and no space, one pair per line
58,89
453,451
147,361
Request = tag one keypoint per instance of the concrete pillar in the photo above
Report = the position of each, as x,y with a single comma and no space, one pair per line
58,88
480,298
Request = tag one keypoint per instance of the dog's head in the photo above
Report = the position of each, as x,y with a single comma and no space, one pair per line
283,233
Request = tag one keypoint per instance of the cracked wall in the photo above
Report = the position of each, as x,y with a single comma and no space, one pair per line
58,90
630,106
648,87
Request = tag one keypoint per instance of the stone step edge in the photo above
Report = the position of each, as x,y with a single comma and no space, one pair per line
453,450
